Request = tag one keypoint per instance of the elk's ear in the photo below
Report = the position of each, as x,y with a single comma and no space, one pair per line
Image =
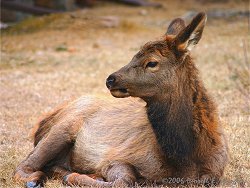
190,35
175,26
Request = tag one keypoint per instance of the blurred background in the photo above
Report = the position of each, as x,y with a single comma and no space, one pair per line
52,51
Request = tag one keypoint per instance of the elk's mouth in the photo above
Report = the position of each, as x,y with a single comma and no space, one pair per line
120,92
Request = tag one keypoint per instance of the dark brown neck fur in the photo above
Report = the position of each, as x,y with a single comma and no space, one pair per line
172,117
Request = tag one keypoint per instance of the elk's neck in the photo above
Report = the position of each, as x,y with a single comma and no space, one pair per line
172,120
172,124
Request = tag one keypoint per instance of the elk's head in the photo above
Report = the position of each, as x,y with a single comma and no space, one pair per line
153,71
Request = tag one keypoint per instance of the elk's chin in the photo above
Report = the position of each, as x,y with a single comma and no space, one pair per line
120,93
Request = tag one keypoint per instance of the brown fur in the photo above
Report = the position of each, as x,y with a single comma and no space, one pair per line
176,133
44,125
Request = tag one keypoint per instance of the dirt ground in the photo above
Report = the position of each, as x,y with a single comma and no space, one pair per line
50,59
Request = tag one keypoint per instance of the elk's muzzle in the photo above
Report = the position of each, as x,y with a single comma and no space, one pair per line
115,87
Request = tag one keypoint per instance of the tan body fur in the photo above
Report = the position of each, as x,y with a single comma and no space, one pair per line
103,139
173,132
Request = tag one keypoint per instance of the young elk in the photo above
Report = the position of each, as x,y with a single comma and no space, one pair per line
174,138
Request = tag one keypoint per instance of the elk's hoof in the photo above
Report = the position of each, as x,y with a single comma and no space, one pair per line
65,179
34,184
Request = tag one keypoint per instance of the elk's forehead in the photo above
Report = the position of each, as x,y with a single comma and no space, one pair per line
157,47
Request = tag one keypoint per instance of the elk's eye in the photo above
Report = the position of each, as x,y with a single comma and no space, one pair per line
151,64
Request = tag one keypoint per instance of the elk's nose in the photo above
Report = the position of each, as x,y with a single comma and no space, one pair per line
110,81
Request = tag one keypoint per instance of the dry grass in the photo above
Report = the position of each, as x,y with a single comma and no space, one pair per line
241,73
44,64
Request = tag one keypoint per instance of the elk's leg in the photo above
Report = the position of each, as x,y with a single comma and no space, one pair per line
76,179
57,172
60,172
116,174
120,173
57,141
32,179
